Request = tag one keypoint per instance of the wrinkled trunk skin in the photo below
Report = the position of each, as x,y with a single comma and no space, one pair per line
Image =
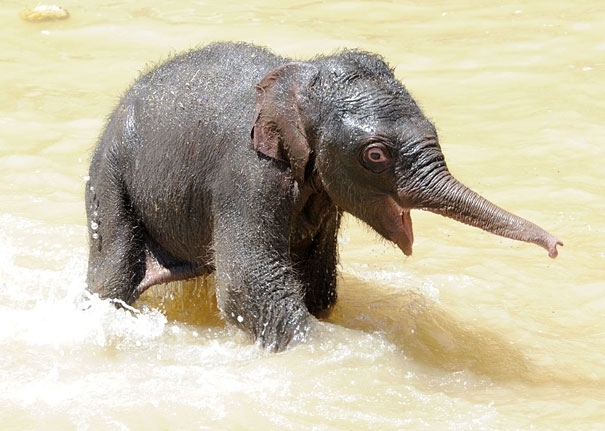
452,199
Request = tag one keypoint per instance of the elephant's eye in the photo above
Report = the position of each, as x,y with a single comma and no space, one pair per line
376,154
376,157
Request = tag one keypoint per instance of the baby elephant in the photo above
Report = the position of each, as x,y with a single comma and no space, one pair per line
233,160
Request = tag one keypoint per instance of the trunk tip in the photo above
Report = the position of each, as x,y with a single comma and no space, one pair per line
551,246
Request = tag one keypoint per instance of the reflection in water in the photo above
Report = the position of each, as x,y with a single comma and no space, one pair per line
413,321
191,301
410,320
428,333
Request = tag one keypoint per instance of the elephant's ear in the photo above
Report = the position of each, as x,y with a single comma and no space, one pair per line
279,122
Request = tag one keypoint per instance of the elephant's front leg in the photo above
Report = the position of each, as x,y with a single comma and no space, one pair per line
316,259
257,287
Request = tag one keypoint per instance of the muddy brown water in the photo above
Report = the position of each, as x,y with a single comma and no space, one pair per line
471,332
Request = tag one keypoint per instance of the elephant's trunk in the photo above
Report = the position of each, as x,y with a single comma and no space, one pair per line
452,199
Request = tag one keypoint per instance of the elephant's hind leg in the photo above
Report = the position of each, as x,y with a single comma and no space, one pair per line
116,259
161,267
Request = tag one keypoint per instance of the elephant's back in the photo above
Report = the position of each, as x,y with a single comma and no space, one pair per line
227,59
181,123
219,78
204,97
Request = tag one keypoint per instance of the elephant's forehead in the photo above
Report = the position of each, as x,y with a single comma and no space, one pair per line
370,110
378,111
367,123
394,126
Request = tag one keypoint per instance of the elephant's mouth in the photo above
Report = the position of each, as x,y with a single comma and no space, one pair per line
396,225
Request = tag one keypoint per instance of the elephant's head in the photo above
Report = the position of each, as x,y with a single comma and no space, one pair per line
347,123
